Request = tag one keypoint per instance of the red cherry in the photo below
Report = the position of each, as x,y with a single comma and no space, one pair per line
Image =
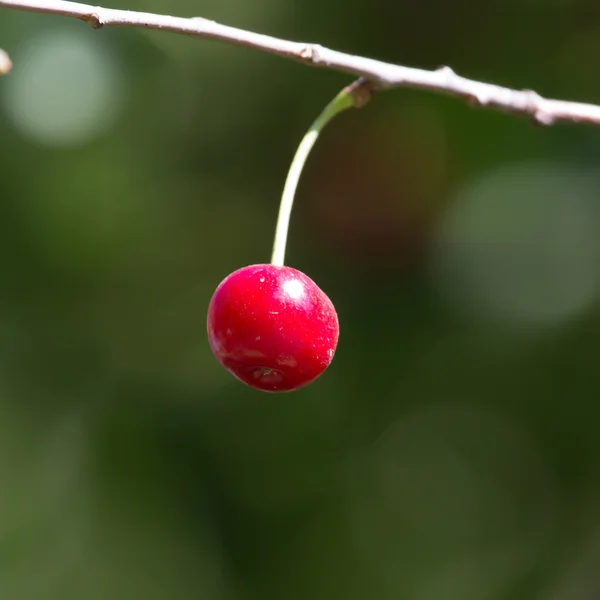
272,327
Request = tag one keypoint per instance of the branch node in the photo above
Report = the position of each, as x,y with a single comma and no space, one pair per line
203,20
448,75
476,99
311,53
534,106
446,70
543,118
361,91
94,20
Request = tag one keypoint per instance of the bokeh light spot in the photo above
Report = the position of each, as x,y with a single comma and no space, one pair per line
67,90
452,490
520,245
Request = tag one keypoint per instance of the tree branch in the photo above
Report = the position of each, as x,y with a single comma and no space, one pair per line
382,75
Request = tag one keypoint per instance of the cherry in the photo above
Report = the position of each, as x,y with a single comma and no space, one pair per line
269,325
272,327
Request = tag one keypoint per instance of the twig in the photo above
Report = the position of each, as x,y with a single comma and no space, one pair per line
383,75
5,62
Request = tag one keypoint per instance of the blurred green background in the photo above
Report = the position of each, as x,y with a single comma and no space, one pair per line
450,452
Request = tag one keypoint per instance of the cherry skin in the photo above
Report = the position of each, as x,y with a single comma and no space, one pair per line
272,327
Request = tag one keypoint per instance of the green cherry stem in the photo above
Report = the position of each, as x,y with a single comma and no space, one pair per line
345,99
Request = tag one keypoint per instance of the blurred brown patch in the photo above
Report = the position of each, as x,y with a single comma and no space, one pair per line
375,186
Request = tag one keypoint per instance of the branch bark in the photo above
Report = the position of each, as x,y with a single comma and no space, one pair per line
382,75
